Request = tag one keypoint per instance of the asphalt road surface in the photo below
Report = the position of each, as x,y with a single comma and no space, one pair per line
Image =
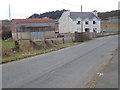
71,67
110,75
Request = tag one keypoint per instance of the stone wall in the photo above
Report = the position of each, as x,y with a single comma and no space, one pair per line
84,36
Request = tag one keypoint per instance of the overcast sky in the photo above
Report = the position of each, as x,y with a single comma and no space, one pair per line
21,9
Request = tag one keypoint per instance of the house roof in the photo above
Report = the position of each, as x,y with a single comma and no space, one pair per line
83,15
36,26
45,20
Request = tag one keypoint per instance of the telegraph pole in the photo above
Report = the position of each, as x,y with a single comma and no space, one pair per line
81,20
81,8
9,13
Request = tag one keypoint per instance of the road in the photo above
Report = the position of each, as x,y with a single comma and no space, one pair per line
110,75
70,67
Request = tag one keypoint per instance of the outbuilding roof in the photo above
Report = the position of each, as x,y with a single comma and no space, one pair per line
83,15
44,20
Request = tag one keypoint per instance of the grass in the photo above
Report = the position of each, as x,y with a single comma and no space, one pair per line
20,55
6,44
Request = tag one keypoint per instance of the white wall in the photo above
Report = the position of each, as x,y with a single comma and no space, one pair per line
97,25
65,23
77,27
23,35
90,25
87,25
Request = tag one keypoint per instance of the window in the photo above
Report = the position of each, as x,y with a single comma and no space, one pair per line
86,22
94,22
78,22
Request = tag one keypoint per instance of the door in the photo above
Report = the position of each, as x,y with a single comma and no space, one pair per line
87,30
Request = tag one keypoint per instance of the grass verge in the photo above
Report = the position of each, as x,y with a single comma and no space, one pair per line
6,44
19,55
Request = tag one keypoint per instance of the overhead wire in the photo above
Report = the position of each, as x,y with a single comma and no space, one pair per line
69,4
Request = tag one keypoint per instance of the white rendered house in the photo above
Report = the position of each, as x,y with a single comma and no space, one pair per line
71,22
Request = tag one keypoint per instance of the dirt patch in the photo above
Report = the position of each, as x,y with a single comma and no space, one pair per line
93,81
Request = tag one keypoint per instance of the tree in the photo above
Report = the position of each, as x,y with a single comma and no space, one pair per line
51,14
34,16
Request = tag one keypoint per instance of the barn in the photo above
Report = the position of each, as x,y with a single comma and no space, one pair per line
33,29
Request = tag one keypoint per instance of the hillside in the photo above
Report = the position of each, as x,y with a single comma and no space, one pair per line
52,14
56,14
105,15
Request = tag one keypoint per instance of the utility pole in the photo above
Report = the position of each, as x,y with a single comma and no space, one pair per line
9,13
81,8
81,20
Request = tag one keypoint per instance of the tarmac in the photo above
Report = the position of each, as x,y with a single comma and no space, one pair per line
109,77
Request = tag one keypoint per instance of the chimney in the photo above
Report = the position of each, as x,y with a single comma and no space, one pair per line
95,12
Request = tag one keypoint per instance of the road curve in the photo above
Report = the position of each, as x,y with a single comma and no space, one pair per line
70,67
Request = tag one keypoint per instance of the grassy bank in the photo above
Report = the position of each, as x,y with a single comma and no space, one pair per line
20,55
6,44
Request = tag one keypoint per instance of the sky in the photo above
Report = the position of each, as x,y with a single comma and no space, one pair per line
21,9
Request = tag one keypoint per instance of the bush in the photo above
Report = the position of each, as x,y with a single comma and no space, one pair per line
6,35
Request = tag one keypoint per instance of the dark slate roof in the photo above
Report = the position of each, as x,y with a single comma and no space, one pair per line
83,15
